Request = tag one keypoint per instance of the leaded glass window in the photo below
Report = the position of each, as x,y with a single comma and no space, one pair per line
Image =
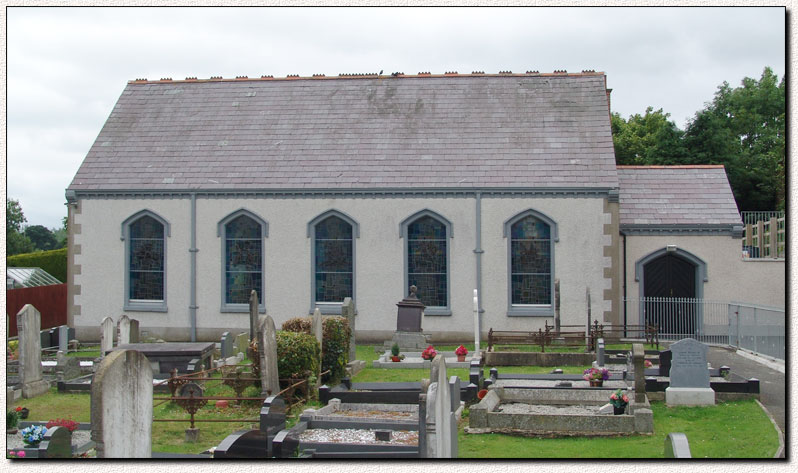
333,260
426,260
146,264
530,265
243,260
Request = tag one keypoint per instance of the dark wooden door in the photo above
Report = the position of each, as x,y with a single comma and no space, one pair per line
673,279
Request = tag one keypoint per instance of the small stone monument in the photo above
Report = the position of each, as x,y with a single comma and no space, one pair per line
123,331
241,343
71,368
408,324
226,346
267,353
677,446
63,338
106,336
121,406
441,425
348,311
639,359
135,336
253,315
689,376
600,352
317,329
57,443
30,352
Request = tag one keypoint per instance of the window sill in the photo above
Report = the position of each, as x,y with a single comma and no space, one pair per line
520,311
240,309
145,307
437,311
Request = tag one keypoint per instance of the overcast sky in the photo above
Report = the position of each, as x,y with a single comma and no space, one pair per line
66,67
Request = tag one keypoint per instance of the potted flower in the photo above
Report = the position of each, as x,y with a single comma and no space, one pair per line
33,435
12,421
648,363
395,356
429,353
619,400
596,376
461,353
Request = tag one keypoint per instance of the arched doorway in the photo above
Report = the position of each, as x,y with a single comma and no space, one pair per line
671,281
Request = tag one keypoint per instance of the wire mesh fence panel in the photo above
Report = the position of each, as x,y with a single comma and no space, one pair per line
758,329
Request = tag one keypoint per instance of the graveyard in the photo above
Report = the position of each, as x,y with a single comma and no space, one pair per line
129,397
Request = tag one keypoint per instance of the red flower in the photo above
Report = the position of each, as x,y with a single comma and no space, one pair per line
19,408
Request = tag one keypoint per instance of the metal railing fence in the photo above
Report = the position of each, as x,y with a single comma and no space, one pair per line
758,329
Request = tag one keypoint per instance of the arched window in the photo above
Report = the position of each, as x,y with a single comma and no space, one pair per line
531,263
427,259
242,238
145,262
333,259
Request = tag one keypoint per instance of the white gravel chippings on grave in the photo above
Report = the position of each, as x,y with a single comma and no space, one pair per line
79,437
357,436
521,408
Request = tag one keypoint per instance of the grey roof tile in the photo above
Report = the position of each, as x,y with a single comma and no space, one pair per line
514,131
676,195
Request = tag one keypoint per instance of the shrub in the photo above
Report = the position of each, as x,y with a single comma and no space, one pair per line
53,261
335,342
12,419
297,354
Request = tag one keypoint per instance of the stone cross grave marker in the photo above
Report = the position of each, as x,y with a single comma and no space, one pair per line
267,353
226,346
689,376
121,406
253,315
57,443
106,335
348,311
123,331
30,352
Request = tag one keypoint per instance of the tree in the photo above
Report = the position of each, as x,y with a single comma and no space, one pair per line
744,128
648,139
42,238
16,242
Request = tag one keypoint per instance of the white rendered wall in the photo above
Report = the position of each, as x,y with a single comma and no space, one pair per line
379,261
730,278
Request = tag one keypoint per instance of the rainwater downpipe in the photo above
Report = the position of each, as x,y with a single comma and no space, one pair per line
624,284
192,308
478,251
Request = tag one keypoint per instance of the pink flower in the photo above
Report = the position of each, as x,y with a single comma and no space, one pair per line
613,397
21,454
625,398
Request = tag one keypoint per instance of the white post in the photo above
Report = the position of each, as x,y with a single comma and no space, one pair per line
476,321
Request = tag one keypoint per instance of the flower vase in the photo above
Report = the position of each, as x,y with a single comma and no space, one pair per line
461,357
23,413
618,410
596,383
396,359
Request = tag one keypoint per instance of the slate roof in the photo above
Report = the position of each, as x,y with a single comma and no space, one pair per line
676,195
371,132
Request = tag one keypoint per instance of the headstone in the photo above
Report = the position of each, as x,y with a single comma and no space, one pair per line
226,345
63,338
689,376
57,443
241,343
121,406
30,352
454,392
600,352
267,352
71,368
676,446
44,338
134,331
106,335
441,424
253,315
123,331
408,318
639,358
317,329
665,362
348,311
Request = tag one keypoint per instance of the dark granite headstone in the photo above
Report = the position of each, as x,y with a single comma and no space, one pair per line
243,444
665,357
272,415
689,364
57,443
409,316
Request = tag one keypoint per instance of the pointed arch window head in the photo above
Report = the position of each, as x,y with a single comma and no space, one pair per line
427,259
531,263
145,235
243,234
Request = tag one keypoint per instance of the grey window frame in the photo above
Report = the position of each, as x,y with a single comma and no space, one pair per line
529,310
331,308
403,227
138,305
221,233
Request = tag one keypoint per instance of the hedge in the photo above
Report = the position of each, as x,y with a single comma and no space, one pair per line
53,261
335,342
297,354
